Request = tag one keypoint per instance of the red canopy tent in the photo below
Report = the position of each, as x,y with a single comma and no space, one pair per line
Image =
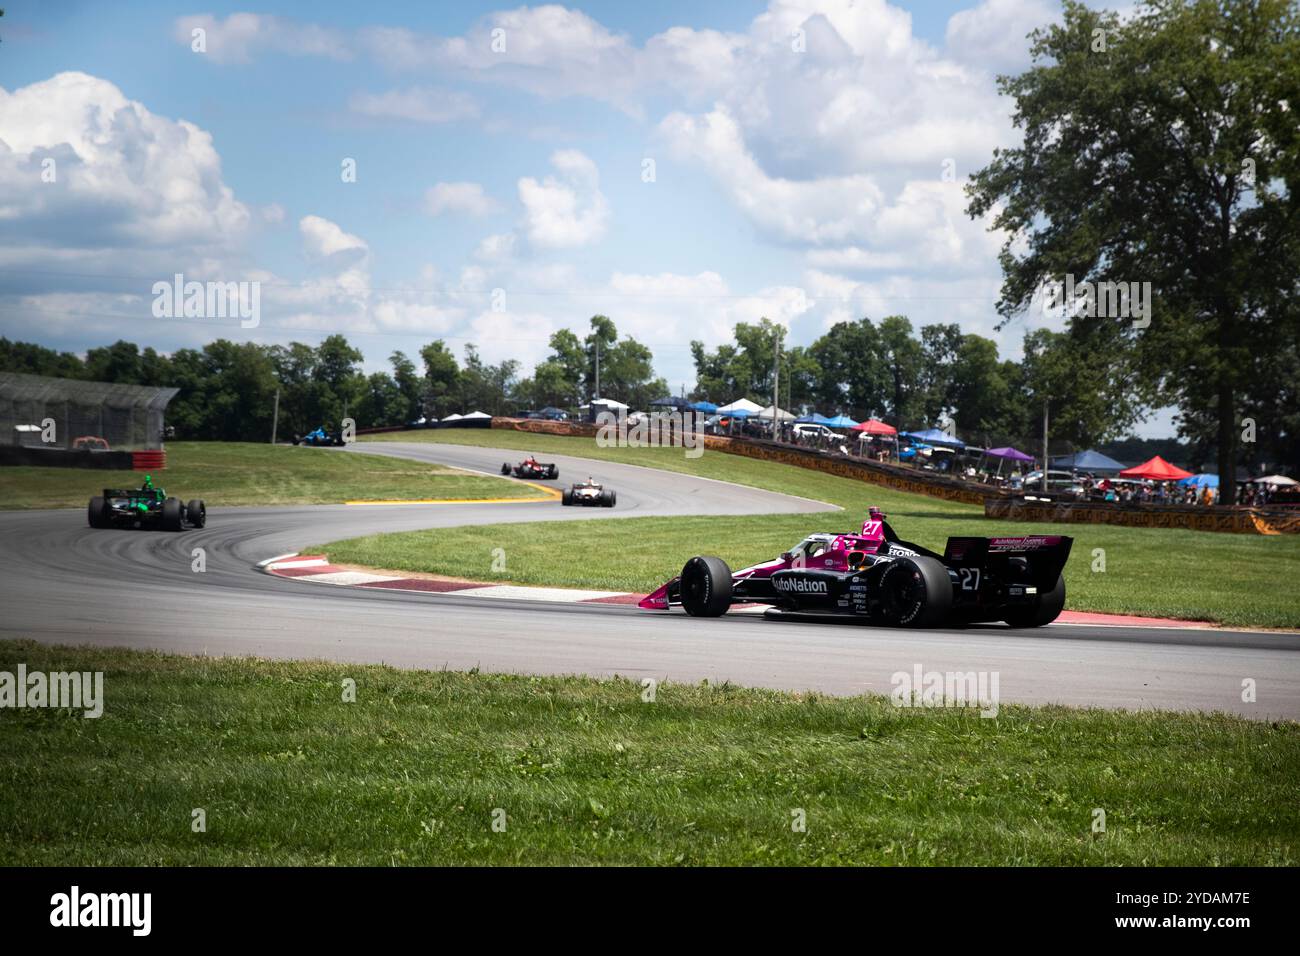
1157,469
874,426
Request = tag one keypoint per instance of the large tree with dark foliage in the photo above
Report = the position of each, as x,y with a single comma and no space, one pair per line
1165,149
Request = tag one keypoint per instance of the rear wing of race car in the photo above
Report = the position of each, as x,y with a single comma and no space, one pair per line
1043,556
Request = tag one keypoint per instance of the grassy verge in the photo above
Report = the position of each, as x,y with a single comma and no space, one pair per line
1240,580
253,474
586,772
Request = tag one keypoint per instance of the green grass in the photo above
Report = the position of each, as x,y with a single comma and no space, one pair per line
289,774
254,474
1238,580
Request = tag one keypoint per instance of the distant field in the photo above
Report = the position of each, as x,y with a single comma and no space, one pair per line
582,771
254,474
1242,580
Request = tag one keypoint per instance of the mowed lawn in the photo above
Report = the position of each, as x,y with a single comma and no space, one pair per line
1232,579
235,473
421,765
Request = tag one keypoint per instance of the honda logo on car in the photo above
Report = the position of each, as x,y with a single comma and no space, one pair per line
800,584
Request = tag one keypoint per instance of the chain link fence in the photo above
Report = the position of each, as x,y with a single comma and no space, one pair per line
41,412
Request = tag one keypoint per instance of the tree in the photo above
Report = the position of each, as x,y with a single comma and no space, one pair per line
118,363
408,383
1163,149
381,402
32,359
1087,403
852,377
902,356
484,387
441,378
986,398
569,356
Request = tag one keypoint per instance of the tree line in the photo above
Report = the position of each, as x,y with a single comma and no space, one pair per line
228,390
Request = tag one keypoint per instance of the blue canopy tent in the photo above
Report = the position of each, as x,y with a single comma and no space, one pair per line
840,421
934,436
1200,481
813,419
707,407
1090,460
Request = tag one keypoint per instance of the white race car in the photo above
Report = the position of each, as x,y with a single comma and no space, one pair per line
589,492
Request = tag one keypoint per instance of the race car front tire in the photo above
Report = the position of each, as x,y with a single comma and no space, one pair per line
172,515
705,587
97,512
1044,611
197,512
567,497
505,469
914,592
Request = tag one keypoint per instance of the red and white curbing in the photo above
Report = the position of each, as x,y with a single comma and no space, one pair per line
316,569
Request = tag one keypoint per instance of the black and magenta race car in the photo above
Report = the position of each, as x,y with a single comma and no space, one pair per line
530,467
877,578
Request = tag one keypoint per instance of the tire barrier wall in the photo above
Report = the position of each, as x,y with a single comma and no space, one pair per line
1238,520
543,427
459,423
148,460
62,458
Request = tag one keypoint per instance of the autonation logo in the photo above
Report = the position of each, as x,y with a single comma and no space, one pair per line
922,688
81,690
801,585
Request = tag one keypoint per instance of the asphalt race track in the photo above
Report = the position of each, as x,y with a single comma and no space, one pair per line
61,582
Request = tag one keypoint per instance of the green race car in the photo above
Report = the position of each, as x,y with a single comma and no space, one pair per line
145,507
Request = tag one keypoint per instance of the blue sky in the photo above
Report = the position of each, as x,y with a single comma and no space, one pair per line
806,185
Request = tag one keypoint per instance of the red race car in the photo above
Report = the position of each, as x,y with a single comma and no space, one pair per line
530,467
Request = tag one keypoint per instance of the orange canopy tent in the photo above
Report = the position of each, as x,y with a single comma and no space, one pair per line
1157,469
874,426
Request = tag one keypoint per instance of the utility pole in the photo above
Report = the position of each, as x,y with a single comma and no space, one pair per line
275,417
776,385
1045,459
597,395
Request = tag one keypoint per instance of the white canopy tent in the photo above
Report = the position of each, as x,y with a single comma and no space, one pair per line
740,405
781,414
476,415
453,417
604,403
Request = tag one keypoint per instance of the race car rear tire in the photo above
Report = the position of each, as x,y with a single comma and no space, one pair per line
505,469
1046,610
567,497
705,587
197,512
609,499
552,472
914,592
97,512
172,514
